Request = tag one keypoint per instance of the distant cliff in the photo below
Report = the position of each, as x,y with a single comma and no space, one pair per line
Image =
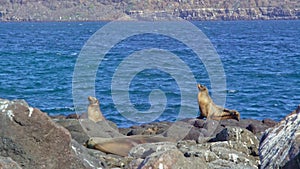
92,10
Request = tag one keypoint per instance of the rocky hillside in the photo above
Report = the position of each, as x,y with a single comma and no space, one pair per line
83,10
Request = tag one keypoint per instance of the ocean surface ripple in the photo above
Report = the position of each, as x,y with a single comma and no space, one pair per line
261,60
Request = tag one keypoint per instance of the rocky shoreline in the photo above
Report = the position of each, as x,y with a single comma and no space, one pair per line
100,10
30,138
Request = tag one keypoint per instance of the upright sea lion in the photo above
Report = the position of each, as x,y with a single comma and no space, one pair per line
122,145
210,110
94,112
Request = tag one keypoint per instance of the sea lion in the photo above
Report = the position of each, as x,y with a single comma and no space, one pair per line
210,110
94,112
122,145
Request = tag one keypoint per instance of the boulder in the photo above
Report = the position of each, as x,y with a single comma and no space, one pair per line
82,129
178,130
220,154
233,146
241,137
171,159
279,146
144,150
146,129
30,138
111,160
257,127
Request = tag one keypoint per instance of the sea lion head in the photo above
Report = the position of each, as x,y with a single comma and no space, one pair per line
90,143
202,87
235,114
93,100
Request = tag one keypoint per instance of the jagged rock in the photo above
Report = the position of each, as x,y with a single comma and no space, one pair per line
193,134
280,145
269,122
224,164
33,140
178,130
8,163
233,156
75,129
220,154
239,136
144,150
211,127
135,163
146,129
111,160
257,127
86,157
252,128
199,123
82,129
171,159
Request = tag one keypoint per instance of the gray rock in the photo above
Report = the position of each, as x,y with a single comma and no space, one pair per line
193,134
220,154
240,137
224,164
199,123
234,156
85,158
154,128
279,146
257,127
212,127
82,129
185,145
110,160
8,163
144,150
206,155
75,129
178,130
269,122
233,146
172,159
135,163
33,140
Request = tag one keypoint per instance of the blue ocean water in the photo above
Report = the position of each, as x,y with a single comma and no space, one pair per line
261,60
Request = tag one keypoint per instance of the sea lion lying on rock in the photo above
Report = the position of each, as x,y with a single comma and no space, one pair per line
122,145
210,110
94,112
119,145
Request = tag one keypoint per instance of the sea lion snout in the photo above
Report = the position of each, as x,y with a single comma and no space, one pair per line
201,87
236,115
93,100
94,112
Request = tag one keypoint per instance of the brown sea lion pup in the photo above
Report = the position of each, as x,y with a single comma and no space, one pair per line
94,112
210,110
122,145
